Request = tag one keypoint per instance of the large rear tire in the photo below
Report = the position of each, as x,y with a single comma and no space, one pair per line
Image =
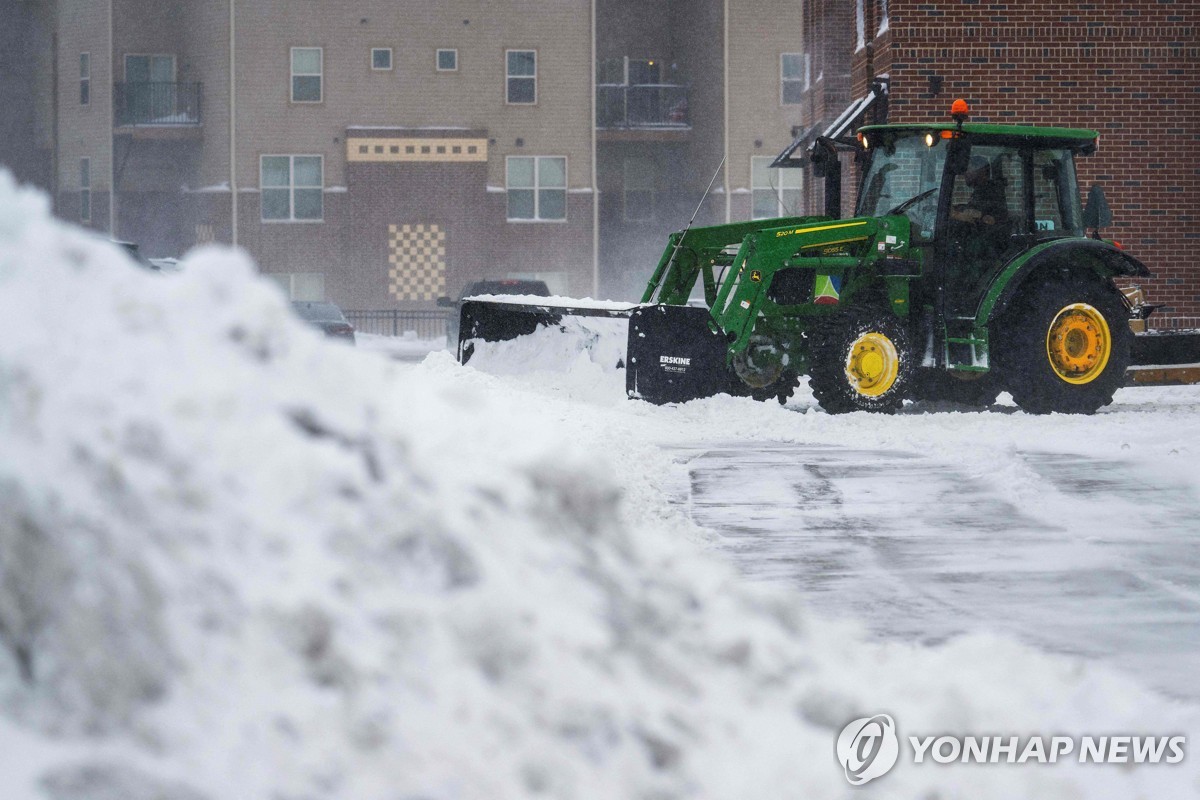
861,360
1064,346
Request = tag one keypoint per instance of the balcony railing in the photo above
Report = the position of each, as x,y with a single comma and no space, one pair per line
649,105
157,103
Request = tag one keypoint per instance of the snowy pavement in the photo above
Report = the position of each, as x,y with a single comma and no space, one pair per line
1103,564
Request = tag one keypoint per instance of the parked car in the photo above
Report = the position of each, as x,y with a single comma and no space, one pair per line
505,286
327,317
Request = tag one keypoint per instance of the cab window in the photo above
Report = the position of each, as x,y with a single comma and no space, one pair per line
1055,193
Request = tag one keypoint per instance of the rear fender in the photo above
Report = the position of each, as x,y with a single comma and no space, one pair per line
1075,254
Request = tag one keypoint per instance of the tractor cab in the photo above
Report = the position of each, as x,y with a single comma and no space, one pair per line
978,196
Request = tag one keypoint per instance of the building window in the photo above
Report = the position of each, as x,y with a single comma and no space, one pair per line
639,189
307,67
537,188
522,76
447,60
791,77
883,17
85,79
381,58
292,188
149,87
860,25
775,192
85,190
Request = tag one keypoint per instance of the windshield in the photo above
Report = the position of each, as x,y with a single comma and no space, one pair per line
903,178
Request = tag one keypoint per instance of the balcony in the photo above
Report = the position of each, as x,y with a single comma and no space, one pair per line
647,111
158,109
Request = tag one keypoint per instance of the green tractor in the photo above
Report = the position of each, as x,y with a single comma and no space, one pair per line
966,270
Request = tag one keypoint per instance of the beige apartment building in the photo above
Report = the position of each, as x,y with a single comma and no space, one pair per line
382,154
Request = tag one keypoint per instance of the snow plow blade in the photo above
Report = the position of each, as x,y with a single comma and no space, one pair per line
675,355
1167,358
497,321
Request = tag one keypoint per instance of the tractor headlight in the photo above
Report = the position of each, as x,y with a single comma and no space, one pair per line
866,143
929,140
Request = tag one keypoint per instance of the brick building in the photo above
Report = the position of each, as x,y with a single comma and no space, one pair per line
1130,70
380,154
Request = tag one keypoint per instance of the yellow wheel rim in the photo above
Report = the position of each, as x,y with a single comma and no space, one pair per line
1078,343
873,364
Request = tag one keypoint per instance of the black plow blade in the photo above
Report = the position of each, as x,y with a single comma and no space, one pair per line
675,355
1165,358
599,327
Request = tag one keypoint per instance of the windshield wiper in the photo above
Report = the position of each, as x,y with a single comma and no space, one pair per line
911,201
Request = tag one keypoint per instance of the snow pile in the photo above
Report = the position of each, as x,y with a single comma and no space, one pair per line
239,561
407,347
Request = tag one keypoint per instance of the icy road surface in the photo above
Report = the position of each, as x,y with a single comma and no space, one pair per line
1104,564
1077,535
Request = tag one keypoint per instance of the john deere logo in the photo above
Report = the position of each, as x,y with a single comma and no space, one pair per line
867,748
756,275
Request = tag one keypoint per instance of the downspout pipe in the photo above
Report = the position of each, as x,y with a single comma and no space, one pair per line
233,183
725,131
595,172
112,144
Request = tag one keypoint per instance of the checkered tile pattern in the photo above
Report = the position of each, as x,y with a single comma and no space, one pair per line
418,262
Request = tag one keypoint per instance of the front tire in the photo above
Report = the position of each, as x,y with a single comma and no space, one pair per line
1065,347
861,360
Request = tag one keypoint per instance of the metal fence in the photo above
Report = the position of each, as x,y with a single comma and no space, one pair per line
650,105
157,103
424,323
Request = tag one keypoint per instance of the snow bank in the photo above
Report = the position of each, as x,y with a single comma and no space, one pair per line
239,561
406,347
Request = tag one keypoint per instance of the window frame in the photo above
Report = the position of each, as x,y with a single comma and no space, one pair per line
85,189
781,210
508,77
391,60
291,187
85,79
800,81
319,75
537,189
437,59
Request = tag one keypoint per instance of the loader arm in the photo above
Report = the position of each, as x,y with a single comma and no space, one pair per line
700,252
829,247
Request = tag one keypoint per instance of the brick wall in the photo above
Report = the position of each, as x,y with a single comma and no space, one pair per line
1130,70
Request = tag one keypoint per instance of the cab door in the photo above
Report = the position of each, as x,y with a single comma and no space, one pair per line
987,223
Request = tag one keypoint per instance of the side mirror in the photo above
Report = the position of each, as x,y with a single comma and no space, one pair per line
1097,214
445,302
